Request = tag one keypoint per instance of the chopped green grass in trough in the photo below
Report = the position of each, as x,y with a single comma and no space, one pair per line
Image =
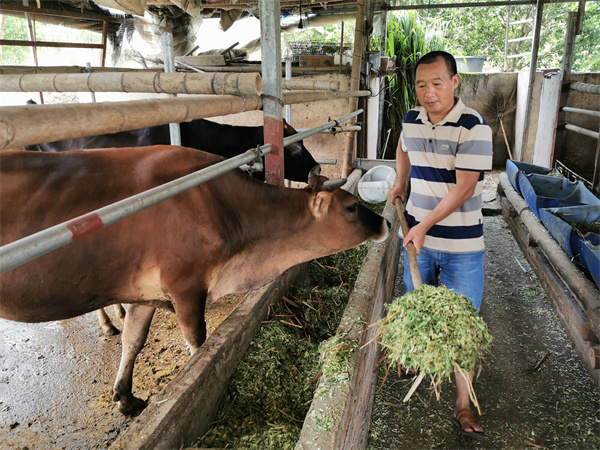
271,392
435,331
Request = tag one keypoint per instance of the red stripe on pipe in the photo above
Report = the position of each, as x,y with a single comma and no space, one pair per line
83,225
274,163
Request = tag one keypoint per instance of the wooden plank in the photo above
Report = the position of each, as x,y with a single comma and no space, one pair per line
19,43
185,408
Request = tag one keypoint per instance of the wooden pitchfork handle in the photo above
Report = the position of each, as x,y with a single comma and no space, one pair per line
410,248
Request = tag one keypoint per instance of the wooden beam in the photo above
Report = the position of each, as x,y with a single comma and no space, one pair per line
359,34
48,44
56,13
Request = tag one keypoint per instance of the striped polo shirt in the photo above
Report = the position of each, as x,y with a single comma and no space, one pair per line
461,141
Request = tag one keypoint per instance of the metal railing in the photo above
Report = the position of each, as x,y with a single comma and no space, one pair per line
28,248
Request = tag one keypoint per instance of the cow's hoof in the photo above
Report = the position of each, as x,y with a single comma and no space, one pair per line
111,330
132,406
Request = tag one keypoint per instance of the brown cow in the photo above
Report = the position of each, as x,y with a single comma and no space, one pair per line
231,234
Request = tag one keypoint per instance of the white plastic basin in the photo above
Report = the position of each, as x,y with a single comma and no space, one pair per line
374,185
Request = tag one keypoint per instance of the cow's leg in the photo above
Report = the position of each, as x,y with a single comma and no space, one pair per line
107,326
119,311
135,332
190,317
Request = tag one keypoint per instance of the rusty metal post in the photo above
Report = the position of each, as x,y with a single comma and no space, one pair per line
270,45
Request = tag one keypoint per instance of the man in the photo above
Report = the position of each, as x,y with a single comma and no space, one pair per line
446,147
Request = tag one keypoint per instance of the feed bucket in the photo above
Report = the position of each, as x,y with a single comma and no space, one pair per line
374,185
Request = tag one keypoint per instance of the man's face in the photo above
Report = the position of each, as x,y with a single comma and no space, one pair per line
435,89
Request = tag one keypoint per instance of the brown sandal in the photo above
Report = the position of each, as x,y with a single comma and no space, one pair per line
464,420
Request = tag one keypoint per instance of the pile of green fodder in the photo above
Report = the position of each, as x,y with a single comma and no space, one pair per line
435,331
271,391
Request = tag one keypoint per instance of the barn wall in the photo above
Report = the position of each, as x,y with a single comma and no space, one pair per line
574,150
480,92
477,91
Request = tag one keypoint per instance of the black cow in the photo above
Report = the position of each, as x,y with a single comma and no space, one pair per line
212,137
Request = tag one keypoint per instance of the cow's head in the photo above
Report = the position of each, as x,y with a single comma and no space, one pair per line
340,215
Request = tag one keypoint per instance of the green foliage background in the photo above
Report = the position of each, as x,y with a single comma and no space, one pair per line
15,29
408,38
481,32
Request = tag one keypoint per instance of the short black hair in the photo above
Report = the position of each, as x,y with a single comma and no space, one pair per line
432,57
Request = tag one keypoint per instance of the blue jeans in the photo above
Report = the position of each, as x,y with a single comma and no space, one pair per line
462,272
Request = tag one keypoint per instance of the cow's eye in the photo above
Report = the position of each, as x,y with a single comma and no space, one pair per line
352,208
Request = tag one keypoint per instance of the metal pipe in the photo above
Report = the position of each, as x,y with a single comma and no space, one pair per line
332,162
289,83
169,67
384,20
335,130
316,96
585,87
270,48
584,131
304,134
24,250
587,112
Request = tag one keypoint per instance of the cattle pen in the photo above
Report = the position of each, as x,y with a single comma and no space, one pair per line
539,387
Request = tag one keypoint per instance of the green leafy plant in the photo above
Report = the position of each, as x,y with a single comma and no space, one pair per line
407,40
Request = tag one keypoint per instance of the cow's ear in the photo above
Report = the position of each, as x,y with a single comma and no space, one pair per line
320,204
288,129
315,182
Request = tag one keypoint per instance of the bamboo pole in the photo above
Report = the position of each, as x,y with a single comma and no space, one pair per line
158,82
359,33
20,70
35,124
315,96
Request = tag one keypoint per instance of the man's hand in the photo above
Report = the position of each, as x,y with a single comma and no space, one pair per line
416,235
397,191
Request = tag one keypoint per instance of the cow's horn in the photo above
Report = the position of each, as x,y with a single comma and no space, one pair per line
315,171
331,185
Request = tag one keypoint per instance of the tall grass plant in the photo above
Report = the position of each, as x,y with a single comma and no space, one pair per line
407,40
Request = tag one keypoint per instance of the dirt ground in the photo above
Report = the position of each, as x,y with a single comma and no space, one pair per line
556,406
56,377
